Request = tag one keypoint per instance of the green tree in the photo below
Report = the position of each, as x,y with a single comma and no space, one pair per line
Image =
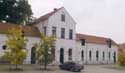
15,11
16,47
45,50
121,59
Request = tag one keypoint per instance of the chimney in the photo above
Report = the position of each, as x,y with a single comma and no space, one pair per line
55,9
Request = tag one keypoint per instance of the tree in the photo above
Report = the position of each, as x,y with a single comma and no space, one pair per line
15,11
44,50
16,47
121,59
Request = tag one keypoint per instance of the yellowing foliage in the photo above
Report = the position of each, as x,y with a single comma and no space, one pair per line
16,46
44,49
121,59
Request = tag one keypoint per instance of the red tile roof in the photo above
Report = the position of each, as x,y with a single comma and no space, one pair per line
94,39
28,30
46,16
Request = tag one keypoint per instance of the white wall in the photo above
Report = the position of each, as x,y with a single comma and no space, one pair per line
94,47
55,21
31,41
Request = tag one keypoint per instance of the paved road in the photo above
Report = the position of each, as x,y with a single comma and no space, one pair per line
88,69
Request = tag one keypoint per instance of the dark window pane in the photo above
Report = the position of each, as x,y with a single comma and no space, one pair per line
82,55
103,55
63,17
70,34
70,54
82,42
62,32
4,47
90,55
44,30
54,31
97,55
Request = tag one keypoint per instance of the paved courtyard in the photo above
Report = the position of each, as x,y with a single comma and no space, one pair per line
54,69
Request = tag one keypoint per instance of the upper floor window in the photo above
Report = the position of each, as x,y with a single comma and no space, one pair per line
82,55
97,55
82,42
63,17
70,54
54,31
90,55
62,32
103,55
44,30
70,34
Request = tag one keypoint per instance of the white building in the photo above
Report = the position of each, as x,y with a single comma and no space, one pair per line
69,45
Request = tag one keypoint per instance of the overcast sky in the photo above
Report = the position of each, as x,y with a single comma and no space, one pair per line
104,18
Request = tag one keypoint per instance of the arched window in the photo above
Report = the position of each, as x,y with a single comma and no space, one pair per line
109,55
103,55
97,55
82,55
90,55
4,47
70,54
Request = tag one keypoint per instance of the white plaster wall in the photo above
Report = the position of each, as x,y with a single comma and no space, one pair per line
55,21
2,42
94,47
31,41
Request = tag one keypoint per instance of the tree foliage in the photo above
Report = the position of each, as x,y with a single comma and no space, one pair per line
44,50
16,46
15,11
121,59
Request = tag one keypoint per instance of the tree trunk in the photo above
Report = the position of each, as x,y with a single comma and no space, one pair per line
16,67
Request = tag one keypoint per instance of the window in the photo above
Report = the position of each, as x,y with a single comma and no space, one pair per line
44,30
82,55
63,17
109,55
97,55
110,43
70,54
62,32
103,55
90,55
82,42
4,47
70,34
54,31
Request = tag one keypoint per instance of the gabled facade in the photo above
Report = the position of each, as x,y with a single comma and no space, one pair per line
60,24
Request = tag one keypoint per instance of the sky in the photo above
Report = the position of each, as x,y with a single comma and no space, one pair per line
105,18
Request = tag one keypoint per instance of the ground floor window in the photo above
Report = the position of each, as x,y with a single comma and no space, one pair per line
4,47
70,54
103,54
82,55
109,56
97,55
90,55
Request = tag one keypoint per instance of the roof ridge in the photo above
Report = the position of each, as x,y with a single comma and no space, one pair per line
94,36
46,16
